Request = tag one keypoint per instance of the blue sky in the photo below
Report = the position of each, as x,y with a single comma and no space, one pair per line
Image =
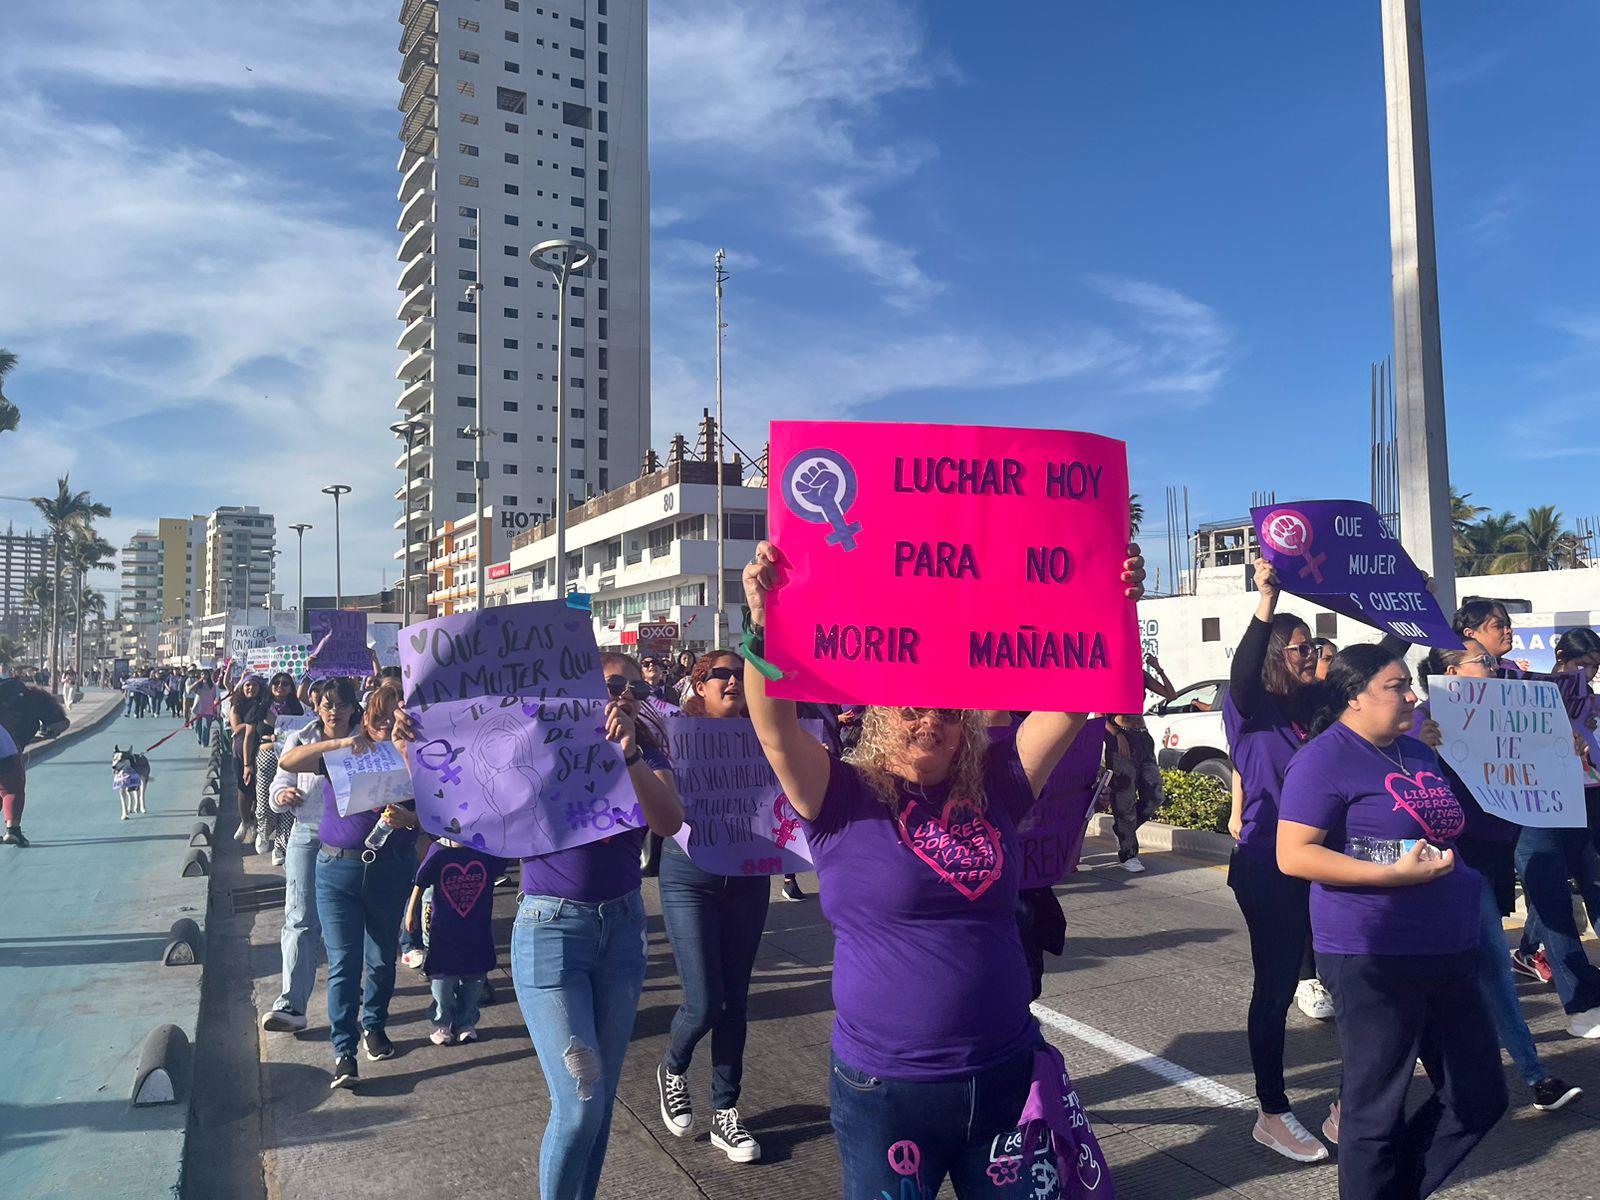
1166,222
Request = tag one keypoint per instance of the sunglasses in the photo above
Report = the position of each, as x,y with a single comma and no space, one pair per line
1304,649
617,685
726,674
1480,660
947,715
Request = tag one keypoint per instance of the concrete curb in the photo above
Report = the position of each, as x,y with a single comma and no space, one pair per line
1200,844
40,751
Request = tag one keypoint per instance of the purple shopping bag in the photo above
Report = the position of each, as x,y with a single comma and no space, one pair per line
1053,1130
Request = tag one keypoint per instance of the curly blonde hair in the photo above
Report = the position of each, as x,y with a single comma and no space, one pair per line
882,735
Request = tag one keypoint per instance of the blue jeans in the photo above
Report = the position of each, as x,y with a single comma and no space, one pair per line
578,970
1546,862
301,941
202,730
455,1001
360,905
1500,992
900,1138
714,923
127,703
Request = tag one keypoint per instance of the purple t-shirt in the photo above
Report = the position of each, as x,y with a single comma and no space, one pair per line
1261,747
929,977
1346,785
595,871
460,933
348,833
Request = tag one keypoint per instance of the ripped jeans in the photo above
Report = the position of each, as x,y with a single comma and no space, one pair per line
578,970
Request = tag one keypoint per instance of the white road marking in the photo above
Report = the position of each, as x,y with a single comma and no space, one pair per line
1207,1089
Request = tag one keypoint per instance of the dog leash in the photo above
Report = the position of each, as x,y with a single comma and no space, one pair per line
171,735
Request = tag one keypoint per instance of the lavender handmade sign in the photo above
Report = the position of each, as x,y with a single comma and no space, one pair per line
363,782
339,644
1339,554
520,776
735,818
540,650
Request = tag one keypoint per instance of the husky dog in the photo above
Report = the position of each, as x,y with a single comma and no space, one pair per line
129,774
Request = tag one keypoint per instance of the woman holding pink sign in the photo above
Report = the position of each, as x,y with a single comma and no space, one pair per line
936,1055
714,923
1367,816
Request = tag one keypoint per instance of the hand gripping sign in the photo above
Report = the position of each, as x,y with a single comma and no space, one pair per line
952,565
1359,568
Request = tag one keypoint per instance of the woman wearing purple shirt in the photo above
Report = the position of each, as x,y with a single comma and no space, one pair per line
360,899
578,948
916,848
1266,718
1367,816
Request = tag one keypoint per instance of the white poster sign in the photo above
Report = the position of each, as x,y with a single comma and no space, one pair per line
362,782
385,641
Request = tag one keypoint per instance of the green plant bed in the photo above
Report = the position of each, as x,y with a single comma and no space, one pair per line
1194,802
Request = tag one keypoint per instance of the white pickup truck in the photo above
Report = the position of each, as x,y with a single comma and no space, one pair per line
1188,731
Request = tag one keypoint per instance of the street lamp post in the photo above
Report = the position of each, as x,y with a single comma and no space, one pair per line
410,430
480,468
336,490
300,552
272,571
722,520
562,257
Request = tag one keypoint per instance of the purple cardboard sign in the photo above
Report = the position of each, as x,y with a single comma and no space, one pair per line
736,820
1052,832
339,642
541,649
1339,554
520,776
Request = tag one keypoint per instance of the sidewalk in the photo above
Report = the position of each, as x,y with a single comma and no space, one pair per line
88,909
88,716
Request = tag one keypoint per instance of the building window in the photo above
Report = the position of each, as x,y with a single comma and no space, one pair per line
508,375
510,100
602,62
466,88
513,159
513,6
600,33
600,419
468,55
510,406
513,219
510,251
508,468
513,36
510,281
605,394
466,369
468,180
465,23
577,172
576,22
468,338
508,437
1210,629
577,443
510,343
463,210
466,306
511,313
463,464
513,68
1328,625
464,273
466,402
579,115
465,498
467,118
467,243
468,149
513,190
574,52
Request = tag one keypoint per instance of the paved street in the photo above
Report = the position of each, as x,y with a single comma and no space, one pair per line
1147,1006
88,909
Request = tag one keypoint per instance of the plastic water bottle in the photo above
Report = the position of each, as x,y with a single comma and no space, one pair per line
379,835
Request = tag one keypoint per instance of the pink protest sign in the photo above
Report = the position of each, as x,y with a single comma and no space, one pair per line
956,566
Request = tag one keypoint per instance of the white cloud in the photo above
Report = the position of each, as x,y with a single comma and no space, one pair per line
284,129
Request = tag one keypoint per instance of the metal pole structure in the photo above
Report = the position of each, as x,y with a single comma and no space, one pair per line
1425,528
722,520
336,490
408,429
272,571
300,552
480,469
562,257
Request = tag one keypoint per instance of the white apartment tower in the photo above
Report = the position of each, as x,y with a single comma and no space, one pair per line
523,120
239,558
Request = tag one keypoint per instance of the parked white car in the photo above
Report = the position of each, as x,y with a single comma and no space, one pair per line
1188,731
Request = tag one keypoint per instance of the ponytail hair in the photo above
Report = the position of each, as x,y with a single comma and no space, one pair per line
1578,642
1438,662
1351,670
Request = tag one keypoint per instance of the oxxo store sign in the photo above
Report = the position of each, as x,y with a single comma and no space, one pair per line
653,632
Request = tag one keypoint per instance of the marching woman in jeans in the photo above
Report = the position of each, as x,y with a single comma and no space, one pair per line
1266,717
1367,816
360,900
915,843
714,923
578,947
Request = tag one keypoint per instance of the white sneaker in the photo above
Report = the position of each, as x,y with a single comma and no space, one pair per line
1283,1133
412,959
1314,999
677,1111
1585,1024
1133,866
729,1135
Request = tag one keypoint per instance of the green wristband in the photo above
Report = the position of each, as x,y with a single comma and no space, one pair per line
754,645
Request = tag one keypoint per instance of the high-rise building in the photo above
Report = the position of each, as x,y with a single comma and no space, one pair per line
183,566
521,123
23,554
239,561
139,603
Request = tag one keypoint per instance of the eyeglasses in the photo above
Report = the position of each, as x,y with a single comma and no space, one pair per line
726,674
1480,660
618,684
1304,649
947,715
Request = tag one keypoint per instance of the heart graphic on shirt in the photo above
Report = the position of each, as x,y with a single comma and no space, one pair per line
462,885
1431,803
965,852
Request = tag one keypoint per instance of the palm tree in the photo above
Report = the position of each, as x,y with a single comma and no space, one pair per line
11,652
65,513
87,603
1464,516
36,596
87,551
1483,543
9,416
1538,543
1135,514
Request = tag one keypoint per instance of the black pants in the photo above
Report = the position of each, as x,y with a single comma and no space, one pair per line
1277,912
1393,1009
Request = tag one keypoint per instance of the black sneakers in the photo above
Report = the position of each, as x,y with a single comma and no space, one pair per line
283,1020
732,1138
677,1112
14,836
791,888
345,1074
377,1045
1551,1094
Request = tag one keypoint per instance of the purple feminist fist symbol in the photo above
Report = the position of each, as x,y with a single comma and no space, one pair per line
820,486
1288,531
